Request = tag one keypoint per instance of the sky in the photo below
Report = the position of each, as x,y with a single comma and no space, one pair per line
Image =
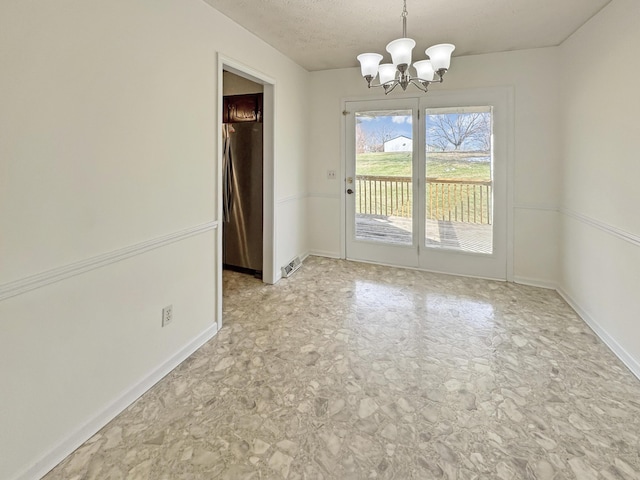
398,124
386,125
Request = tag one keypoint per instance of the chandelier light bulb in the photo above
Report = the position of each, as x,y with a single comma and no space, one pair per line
440,55
369,64
425,70
387,73
400,51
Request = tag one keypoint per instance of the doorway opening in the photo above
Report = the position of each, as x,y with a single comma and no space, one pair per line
244,83
242,175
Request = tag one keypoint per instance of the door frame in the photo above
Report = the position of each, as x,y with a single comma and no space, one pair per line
396,254
506,93
269,269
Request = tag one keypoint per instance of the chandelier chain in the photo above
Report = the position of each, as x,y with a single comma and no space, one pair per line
404,20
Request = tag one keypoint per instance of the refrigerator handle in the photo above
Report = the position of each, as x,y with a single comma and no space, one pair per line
227,177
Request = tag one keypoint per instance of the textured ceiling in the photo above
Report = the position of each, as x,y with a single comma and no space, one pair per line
326,34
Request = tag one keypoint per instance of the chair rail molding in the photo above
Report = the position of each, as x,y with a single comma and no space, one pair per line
605,227
39,280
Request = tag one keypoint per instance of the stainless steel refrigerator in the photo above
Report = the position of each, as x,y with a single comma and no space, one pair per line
242,195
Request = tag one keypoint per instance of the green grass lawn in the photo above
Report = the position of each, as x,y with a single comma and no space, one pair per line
439,165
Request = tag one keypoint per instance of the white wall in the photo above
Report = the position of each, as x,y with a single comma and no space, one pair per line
108,140
600,253
536,157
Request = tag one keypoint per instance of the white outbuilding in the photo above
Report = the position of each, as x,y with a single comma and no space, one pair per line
398,144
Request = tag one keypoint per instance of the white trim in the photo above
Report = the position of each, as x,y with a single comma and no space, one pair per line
304,256
292,198
605,227
324,253
510,142
270,271
343,177
624,356
39,280
535,282
60,451
542,208
219,260
428,270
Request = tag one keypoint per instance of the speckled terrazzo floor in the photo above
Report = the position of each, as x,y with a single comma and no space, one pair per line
354,371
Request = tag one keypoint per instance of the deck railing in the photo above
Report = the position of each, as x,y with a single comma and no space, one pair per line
457,200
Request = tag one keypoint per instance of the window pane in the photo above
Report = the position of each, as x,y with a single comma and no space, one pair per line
383,187
459,183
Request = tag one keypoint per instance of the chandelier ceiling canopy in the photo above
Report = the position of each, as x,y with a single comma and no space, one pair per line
430,70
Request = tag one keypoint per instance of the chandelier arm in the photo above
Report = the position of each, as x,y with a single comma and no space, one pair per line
420,84
440,74
369,79
389,87
379,85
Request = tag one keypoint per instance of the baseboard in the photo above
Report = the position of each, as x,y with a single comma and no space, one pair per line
324,253
535,282
109,412
630,362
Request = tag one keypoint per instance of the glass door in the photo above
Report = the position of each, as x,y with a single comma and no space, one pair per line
426,183
380,185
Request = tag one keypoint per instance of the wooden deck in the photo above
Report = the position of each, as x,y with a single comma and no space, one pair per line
467,237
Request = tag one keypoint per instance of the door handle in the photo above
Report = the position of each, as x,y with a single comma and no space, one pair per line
349,191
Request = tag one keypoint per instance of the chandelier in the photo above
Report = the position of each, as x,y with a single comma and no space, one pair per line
428,71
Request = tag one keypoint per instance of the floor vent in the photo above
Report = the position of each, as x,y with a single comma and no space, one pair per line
291,267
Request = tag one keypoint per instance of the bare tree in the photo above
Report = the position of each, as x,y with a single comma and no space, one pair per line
380,135
457,128
441,143
483,136
362,142
371,134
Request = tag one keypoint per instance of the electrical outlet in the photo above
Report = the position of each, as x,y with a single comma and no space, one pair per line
167,315
331,174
